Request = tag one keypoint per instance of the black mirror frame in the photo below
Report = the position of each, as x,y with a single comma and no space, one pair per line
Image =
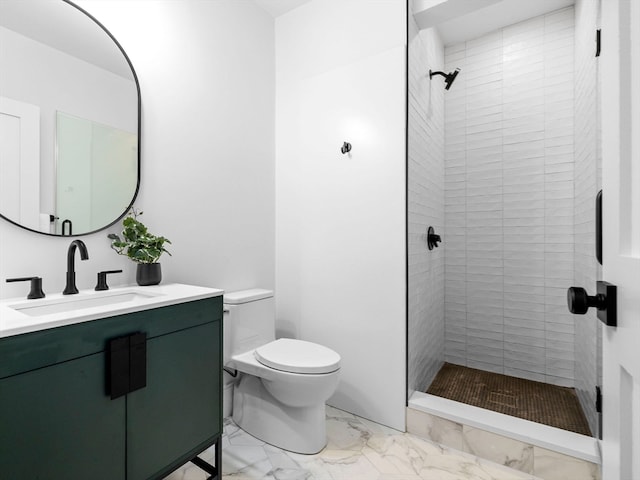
135,193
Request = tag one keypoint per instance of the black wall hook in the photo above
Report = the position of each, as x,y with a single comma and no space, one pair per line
432,239
346,147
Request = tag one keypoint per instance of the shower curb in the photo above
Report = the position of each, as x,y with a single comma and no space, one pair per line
546,452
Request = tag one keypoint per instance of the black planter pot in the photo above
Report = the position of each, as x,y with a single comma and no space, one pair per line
148,274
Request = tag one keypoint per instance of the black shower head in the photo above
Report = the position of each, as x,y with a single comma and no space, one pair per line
448,77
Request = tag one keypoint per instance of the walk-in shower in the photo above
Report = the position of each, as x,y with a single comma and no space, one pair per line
505,166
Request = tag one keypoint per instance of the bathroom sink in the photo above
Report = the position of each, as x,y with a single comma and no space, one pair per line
19,315
80,301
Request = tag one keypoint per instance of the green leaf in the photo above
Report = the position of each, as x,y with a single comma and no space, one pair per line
137,242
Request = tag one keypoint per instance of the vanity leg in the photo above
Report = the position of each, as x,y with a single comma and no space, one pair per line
218,453
214,471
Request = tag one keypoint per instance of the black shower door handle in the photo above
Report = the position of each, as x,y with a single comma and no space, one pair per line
599,227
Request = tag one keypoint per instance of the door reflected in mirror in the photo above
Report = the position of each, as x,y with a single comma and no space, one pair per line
69,120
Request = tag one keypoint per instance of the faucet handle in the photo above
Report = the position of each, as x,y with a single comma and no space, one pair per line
102,279
36,286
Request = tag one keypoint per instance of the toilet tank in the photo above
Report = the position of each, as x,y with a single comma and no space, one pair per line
249,320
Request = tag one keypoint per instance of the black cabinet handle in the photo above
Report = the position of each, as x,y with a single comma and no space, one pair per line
36,286
118,367
137,361
126,364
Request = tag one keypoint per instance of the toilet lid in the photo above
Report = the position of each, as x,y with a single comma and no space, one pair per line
298,356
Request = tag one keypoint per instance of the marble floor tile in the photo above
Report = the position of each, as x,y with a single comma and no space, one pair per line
357,449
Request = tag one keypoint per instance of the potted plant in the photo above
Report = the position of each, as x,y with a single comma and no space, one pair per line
142,247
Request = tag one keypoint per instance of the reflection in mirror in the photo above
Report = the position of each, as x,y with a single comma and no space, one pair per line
96,172
69,120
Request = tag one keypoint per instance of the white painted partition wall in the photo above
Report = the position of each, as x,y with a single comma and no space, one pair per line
340,218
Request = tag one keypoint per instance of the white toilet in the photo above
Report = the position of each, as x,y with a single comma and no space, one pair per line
280,393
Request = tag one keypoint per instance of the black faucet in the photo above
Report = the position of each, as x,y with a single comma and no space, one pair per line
71,288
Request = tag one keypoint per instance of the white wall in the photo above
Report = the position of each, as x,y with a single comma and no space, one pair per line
206,72
340,219
57,81
587,183
425,207
509,200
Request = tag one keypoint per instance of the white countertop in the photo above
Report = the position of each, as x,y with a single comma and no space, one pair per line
81,307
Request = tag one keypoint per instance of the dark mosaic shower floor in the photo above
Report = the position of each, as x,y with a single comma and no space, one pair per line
535,401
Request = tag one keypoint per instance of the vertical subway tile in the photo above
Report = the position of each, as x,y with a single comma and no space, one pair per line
508,189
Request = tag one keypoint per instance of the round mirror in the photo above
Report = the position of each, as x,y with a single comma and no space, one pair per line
69,120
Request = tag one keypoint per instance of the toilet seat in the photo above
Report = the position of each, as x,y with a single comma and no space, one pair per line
297,356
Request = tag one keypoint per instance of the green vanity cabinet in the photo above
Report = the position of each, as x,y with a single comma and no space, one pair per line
58,424
58,421
175,409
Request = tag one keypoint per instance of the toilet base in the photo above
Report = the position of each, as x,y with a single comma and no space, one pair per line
296,429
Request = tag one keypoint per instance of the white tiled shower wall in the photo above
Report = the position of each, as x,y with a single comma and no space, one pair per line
425,207
509,203
588,330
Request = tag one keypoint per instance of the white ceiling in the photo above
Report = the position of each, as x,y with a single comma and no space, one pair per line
279,7
65,28
461,20
456,21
